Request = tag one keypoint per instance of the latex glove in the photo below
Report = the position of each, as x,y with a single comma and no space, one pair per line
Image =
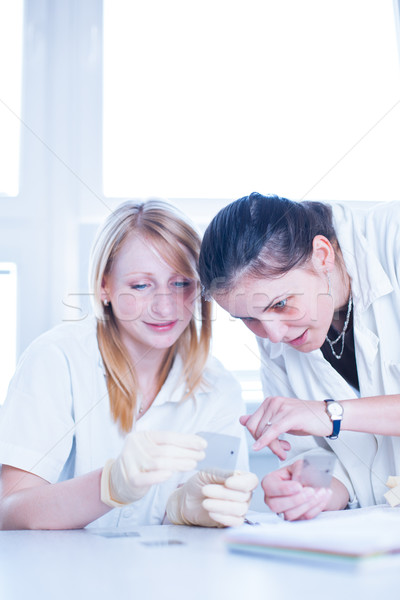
148,458
212,499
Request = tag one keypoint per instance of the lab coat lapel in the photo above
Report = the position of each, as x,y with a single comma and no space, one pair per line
369,283
368,278
366,348
319,380
313,378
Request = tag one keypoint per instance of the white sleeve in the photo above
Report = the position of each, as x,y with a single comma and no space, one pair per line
36,421
383,233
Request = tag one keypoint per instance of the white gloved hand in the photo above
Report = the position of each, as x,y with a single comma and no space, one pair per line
212,499
147,458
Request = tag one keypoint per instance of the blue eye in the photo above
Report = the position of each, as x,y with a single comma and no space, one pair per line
281,304
139,286
182,284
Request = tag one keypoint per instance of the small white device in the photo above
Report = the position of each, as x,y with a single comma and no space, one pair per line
317,470
221,452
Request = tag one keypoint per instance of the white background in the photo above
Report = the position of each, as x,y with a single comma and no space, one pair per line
203,102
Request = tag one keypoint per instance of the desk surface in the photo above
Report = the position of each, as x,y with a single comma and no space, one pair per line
171,563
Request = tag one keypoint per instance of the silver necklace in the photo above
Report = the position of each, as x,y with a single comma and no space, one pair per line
343,333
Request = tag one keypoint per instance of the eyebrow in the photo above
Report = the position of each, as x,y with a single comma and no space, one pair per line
271,304
148,274
266,307
135,273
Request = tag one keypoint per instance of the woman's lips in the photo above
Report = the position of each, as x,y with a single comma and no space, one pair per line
299,341
166,326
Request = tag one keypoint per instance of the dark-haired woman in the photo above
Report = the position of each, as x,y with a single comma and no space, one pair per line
320,288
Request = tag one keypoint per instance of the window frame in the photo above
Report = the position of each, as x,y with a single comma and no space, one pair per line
47,229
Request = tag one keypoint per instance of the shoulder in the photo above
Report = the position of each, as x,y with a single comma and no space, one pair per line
218,379
372,233
71,341
57,362
71,332
379,217
388,211
215,372
383,223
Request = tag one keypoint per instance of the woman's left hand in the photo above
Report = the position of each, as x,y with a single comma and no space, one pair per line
285,495
212,499
278,415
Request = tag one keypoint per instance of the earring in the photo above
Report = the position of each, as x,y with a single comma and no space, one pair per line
329,284
105,302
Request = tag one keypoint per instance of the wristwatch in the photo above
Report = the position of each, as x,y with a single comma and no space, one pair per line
335,413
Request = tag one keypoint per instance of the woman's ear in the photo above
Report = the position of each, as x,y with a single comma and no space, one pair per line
104,294
323,256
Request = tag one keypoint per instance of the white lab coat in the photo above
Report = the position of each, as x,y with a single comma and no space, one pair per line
370,243
56,421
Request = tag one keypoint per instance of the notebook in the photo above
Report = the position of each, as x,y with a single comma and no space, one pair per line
348,535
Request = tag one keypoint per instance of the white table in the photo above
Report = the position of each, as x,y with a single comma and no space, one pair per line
172,563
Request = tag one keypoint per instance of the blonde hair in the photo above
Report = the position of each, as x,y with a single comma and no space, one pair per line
178,243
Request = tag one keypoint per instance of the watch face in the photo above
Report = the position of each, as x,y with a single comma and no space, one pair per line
335,409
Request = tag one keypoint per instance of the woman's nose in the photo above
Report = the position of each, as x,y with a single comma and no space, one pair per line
275,330
163,305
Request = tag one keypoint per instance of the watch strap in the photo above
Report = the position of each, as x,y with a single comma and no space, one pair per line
335,422
336,429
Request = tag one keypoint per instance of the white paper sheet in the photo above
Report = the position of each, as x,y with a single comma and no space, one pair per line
351,533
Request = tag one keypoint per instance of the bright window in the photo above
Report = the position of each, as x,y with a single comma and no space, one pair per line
11,13
219,98
8,324
236,347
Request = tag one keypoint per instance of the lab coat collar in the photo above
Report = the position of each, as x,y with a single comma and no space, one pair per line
368,279
273,350
276,350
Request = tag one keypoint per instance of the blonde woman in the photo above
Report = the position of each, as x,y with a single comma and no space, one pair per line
99,426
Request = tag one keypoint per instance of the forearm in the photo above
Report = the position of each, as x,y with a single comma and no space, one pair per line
70,504
278,415
376,414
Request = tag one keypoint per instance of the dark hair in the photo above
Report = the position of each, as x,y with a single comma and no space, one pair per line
261,236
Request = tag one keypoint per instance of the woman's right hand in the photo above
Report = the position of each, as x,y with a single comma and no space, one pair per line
285,495
148,458
278,415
